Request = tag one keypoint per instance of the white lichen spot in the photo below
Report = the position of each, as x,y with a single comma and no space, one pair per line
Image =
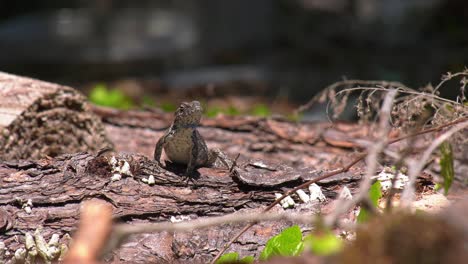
180,218
54,246
30,244
54,240
345,194
303,196
386,176
20,255
116,177
125,168
289,201
151,180
27,206
119,166
113,161
260,164
316,193
286,202
36,246
41,245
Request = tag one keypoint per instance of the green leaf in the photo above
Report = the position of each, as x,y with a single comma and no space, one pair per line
100,95
446,165
232,111
363,215
168,107
375,193
323,244
233,257
228,258
287,243
247,260
212,111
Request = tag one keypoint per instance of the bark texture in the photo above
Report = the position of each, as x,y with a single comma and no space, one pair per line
39,119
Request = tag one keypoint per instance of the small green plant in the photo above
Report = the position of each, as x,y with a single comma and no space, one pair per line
148,101
446,165
375,193
290,242
287,243
261,110
168,107
101,95
213,111
232,111
258,110
295,117
233,257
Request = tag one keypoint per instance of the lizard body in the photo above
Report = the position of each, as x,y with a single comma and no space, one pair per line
182,142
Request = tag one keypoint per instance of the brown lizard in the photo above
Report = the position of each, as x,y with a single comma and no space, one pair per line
182,142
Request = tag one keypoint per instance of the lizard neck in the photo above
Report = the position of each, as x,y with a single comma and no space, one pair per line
192,126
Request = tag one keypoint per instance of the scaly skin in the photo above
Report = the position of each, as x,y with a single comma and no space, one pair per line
183,144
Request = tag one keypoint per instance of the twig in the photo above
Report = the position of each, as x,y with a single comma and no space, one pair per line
330,174
432,96
234,163
448,77
371,161
122,231
335,85
415,167
186,226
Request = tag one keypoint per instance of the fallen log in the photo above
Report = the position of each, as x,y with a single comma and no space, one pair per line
276,155
39,119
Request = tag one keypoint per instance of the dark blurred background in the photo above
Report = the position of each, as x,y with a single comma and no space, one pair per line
288,49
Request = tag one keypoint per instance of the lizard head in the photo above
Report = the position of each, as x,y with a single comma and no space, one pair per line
188,114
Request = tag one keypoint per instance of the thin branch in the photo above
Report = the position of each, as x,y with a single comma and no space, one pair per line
122,231
432,96
187,226
415,167
234,163
335,85
371,161
448,77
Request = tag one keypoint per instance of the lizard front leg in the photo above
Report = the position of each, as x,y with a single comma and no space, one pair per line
193,155
159,147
